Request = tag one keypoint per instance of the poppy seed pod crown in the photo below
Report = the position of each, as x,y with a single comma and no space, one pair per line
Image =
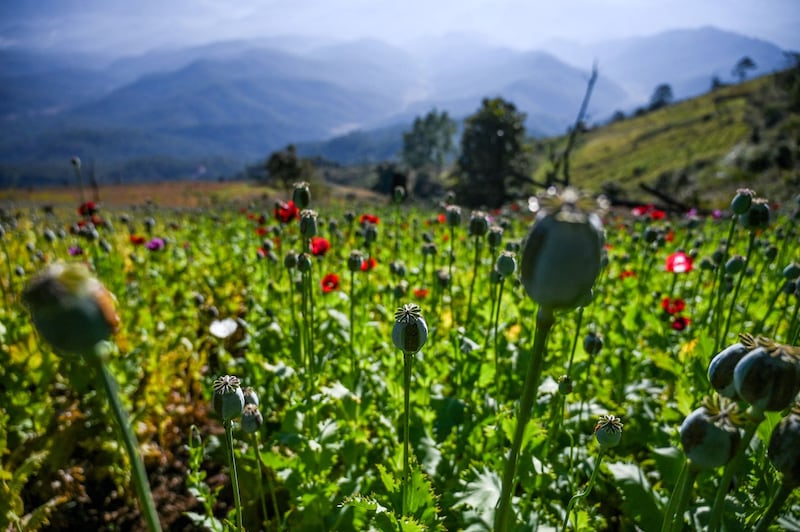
562,255
70,308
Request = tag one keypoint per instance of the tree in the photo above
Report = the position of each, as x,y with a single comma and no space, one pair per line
662,96
285,166
494,164
430,141
742,66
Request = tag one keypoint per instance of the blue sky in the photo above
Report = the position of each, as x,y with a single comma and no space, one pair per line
126,26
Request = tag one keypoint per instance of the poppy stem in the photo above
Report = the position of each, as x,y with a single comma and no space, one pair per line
578,496
475,264
544,322
736,290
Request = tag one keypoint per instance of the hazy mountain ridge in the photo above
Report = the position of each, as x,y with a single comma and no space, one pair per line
240,100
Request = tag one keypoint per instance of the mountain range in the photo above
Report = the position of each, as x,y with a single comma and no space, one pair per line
214,108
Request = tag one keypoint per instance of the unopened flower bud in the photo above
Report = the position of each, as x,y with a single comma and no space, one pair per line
792,271
70,308
561,257
228,397
370,233
608,431
410,330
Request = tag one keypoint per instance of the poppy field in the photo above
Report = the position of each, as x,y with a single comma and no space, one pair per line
299,363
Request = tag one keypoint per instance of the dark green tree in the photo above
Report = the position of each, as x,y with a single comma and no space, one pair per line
495,163
286,167
742,66
430,141
662,96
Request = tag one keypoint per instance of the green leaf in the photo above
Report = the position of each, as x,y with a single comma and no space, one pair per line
639,500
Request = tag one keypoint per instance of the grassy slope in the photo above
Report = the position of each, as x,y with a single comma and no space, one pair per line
686,149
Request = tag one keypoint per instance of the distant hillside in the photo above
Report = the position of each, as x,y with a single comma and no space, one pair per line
697,151
225,105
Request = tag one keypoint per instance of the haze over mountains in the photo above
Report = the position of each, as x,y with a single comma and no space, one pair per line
223,105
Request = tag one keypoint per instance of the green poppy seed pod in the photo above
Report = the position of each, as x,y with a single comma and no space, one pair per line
651,235
742,200
721,367
757,216
592,343
718,256
401,289
561,258
308,223
290,260
495,277
478,223
513,246
453,215
767,379
301,195
734,265
608,431
443,276
792,271
564,385
789,287
429,249
370,233
495,236
706,264
398,268
250,396
771,253
304,262
70,308
506,263
708,441
783,448
251,419
355,260
49,235
228,397
410,330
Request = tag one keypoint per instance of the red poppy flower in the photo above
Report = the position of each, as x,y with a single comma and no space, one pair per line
371,218
679,262
262,220
319,246
657,214
624,274
680,323
421,293
87,208
673,305
368,264
442,218
251,216
330,283
641,210
285,212
137,240
261,253
261,231
670,236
